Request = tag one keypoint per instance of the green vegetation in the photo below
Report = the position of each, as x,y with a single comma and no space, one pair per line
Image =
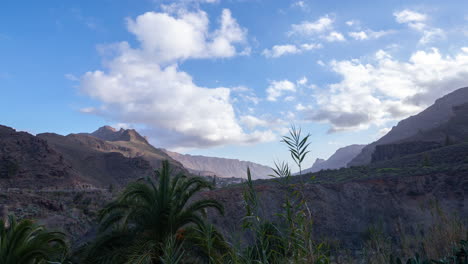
147,216
164,220
24,242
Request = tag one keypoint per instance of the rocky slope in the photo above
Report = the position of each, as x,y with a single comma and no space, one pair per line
124,157
434,116
454,131
28,161
345,203
338,160
221,167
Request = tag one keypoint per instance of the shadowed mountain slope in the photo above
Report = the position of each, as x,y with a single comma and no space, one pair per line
28,161
434,116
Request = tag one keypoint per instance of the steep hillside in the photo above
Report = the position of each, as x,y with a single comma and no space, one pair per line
130,143
346,202
26,160
344,211
338,160
434,116
109,157
98,162
454,131
226,168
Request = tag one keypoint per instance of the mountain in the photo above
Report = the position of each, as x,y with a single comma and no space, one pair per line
433,117
124,157
109,133
26,161
338,160
221,167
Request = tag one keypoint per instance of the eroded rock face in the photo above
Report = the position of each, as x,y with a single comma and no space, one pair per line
392,151
28,161
434,116
345,211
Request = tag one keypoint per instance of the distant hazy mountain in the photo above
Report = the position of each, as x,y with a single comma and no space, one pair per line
338,160
434,116
221,167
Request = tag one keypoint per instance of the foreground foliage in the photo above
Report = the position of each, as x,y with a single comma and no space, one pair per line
147,217
24,242
163,220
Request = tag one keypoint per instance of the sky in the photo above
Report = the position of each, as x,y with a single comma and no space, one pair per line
227,78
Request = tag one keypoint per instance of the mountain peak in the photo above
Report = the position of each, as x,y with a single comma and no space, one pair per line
109,133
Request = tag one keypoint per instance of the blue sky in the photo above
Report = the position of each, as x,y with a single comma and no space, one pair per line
227,78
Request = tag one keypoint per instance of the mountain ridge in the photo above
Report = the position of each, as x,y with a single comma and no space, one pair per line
221,167
338,160
432,117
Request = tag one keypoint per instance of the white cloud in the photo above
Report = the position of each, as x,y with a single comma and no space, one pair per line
302,81
334,37
277,88
280,50
246,94
369,34
408,16
301,5
252,122
352,22
301,107
311,46
312,27
388,89
167,38
417,22
144,86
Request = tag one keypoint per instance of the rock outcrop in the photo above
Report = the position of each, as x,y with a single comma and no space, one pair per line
434,116
29,161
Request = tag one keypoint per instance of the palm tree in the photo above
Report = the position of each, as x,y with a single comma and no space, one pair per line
24,242
207,244
134,227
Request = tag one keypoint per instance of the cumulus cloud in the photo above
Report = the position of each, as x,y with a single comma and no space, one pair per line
369,34
302,81
277,89
417,21
408,16
321,28
384,89
167,37
144,85
280,50
334,37
312,27
252,122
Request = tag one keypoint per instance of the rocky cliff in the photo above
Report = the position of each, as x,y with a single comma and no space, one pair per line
434,116
26,160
